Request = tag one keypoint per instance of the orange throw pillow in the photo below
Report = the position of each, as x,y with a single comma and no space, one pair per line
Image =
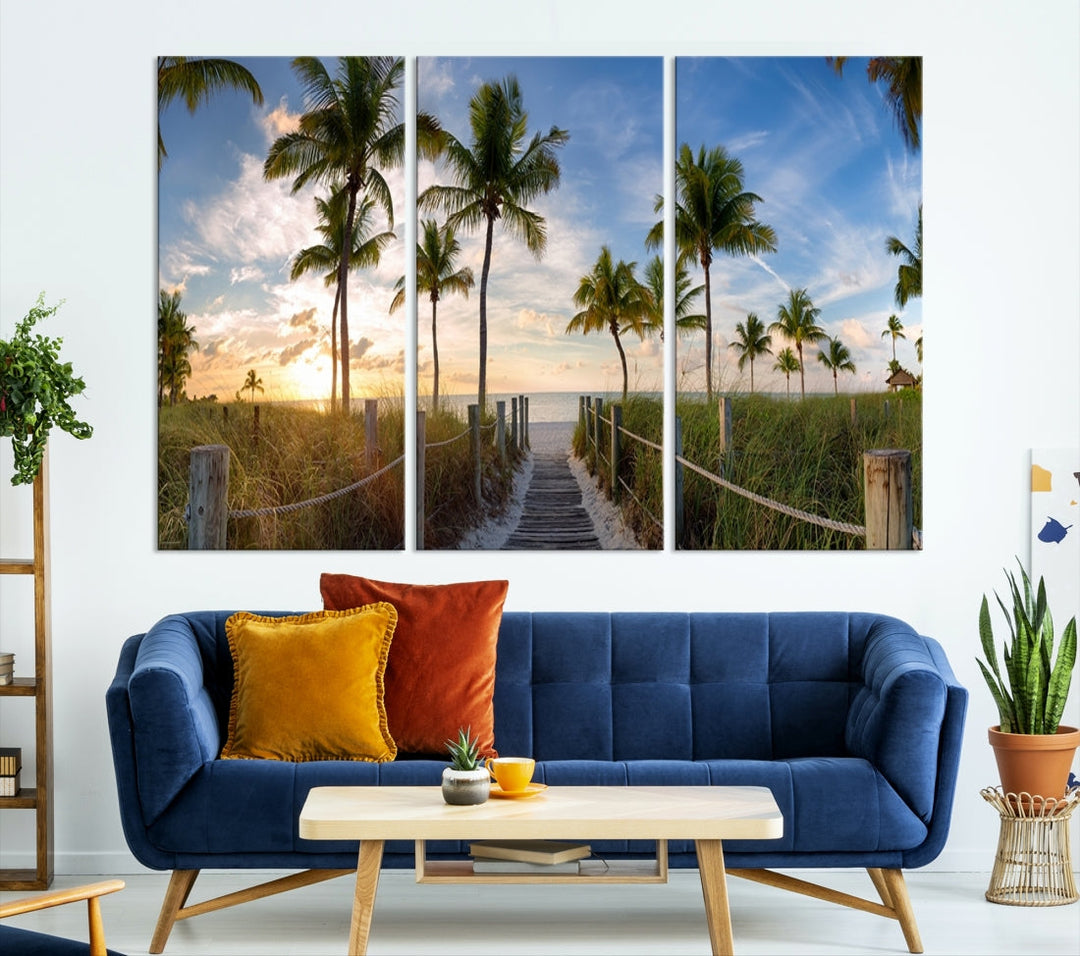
440,675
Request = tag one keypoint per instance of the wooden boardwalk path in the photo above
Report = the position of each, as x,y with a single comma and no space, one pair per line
554,518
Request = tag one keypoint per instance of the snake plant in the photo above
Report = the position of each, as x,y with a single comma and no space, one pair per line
1031,696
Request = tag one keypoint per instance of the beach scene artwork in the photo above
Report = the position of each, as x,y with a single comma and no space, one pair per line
539,300
280,366
799,345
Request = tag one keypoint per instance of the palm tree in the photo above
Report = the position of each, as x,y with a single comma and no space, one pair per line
349,133
797,321
251,383
685,294
903,76
175,340
895,328
909,272
753,341
195,80
612,299
712,213
436,273
495,176
787,363
836,359
365,252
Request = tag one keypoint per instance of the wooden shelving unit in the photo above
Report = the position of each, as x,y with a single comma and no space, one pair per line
38,799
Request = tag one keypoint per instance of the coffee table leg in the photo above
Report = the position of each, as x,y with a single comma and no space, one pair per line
367,882
710,856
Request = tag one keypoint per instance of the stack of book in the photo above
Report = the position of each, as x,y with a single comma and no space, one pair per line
527,856
7,667
10,765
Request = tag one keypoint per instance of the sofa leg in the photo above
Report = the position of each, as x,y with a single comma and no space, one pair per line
180,884
895,896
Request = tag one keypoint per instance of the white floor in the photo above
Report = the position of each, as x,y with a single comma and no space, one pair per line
953,917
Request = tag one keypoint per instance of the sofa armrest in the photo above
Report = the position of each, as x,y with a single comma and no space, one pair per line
895,720
175,725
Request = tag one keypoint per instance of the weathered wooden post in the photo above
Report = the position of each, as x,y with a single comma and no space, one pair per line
371,433
525,424
421,441
225,409
887,489
474,452
581,409
853,414
598,406
521,433
500,431
255,426
208,497
588,432
724,416
616,450
679,519
513,422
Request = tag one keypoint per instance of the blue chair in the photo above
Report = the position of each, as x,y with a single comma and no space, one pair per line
29,943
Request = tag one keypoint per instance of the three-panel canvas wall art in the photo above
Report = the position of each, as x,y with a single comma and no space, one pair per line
567,268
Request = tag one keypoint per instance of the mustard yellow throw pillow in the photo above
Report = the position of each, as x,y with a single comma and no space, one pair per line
310,687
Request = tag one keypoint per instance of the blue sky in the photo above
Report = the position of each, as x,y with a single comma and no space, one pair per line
836,180
821,150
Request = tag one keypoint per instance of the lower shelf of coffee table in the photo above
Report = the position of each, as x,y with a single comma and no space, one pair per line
590,871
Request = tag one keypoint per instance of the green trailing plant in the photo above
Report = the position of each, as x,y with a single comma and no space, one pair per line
34,390
465,751
1031,696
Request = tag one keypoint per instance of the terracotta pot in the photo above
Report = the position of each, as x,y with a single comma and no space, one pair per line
1037,764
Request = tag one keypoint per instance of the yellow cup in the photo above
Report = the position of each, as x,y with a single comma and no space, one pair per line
511,773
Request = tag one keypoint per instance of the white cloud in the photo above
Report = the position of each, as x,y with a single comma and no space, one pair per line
245,274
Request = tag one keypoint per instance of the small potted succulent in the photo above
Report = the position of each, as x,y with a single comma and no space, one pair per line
1033,749
466,782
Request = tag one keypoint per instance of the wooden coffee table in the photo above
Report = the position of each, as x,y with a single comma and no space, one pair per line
706,815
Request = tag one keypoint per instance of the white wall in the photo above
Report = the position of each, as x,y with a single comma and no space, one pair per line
77,218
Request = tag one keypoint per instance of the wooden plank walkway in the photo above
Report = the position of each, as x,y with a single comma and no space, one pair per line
554,518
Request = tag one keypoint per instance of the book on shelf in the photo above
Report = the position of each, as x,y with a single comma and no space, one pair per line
9,785
10,761
522,866
7,657
544,852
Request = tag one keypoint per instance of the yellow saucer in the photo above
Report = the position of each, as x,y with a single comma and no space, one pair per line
530,791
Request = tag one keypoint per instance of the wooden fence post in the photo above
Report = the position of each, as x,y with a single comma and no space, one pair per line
500,431
513,422
371,433
525,424
588,432
853,414
255,426
598,406
616,449
521,433
724,416
679,519
208,497
421,441
581,409
887,488
474,452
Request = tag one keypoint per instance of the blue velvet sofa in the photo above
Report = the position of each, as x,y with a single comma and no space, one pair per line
853,720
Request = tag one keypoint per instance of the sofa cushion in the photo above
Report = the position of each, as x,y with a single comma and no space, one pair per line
440,676
310,686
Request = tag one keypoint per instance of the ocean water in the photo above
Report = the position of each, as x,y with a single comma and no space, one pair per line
543,406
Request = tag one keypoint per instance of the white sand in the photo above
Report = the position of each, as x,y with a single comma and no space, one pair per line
553,437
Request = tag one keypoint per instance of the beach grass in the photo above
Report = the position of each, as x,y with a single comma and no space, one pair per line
296,454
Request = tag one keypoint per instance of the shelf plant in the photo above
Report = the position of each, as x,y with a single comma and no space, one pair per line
35,387
1031,693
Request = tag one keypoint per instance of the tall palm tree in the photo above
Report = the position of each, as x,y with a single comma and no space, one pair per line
365,252
712,213
495,177
251,383
787,363
612,300
753,341
195,79
895,328
349,132
909,272
686,292
836,359
436,274
797,320
903,77
175,340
